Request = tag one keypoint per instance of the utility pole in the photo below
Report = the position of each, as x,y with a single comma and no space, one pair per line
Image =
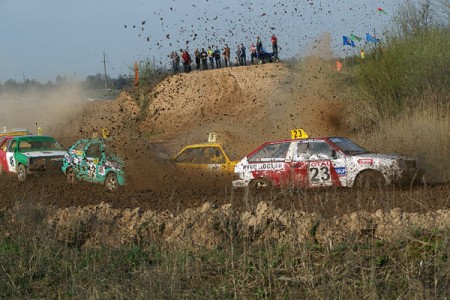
104,66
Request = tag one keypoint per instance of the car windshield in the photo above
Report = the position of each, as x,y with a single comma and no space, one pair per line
39,145
348,147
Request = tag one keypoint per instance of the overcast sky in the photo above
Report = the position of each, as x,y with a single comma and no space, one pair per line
41,39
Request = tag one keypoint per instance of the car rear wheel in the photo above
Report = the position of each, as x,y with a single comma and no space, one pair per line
111,182
369,180
70,176
21,173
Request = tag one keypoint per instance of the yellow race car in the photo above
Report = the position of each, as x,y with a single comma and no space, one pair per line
206,156
14,132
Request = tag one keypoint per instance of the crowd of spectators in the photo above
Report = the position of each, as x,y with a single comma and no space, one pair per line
215,58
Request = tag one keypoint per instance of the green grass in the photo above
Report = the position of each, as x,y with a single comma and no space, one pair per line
396,75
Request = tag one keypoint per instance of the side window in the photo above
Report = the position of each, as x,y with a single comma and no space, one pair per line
313,150
321,150
93,151
271,152
189,155
214,155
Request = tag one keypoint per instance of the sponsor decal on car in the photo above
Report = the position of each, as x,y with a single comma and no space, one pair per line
341,171
264,167
365,161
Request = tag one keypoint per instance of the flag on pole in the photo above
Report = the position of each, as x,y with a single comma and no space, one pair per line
347,41
355,38
371,39
380,10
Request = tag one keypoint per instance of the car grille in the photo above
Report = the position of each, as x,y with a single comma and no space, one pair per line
41,164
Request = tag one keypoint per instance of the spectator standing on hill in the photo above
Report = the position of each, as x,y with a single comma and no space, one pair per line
226,55
252,52
210,57
180,55
217,57
274,40
186,61
243,57
175,61
238,55
197,56
204,57
258,47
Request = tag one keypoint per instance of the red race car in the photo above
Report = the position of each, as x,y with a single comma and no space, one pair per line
4,140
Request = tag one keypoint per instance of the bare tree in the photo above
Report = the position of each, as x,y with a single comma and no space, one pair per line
419,15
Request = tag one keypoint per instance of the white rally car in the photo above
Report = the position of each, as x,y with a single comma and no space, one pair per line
322,162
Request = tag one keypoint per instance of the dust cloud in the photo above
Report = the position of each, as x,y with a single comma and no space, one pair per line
49,110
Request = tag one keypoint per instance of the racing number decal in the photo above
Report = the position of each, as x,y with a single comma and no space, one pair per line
319,173
298,134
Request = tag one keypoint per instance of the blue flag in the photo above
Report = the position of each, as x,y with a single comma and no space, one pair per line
347,41
371,39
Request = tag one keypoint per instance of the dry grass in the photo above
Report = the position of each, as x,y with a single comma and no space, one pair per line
248,264
423,132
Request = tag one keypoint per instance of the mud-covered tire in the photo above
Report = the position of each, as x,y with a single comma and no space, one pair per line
260,187
21,173
369,180
111,182
70,176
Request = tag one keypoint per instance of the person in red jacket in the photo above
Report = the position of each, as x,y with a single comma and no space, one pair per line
186,61
274,45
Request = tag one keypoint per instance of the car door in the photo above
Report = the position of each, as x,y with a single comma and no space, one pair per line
270,162
90,163
316,163
215,159
10,159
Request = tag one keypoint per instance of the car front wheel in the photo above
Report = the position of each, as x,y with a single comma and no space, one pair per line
21,173
369,180
111,182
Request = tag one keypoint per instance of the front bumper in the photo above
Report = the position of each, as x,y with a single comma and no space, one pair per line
409,177
45,164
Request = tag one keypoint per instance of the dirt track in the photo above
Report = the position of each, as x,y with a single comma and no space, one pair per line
328,203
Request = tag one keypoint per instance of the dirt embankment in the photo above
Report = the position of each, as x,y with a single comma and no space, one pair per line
211,226
244,105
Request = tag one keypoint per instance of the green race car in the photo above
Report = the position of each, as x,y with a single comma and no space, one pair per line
90,160
29,154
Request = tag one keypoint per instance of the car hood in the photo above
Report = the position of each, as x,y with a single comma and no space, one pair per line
382,156
44,153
